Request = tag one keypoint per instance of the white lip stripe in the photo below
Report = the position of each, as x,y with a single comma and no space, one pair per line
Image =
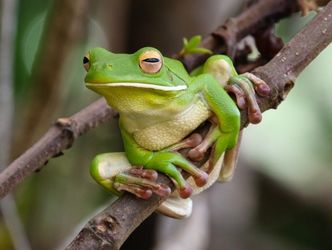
139,85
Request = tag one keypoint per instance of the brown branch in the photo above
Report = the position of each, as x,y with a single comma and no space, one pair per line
58,138
110,228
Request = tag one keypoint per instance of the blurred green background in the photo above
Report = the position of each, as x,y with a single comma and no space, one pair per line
281,194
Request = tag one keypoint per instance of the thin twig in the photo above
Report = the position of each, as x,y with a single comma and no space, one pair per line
58,138
110,228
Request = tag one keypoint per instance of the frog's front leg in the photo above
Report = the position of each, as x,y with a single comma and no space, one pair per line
164,162
227,118
244,87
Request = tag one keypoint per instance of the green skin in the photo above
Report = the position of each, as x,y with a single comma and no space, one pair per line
158,110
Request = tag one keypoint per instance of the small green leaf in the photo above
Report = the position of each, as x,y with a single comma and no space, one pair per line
194,41
191,46
202,51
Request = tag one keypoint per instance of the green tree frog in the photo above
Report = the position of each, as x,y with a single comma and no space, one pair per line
159,105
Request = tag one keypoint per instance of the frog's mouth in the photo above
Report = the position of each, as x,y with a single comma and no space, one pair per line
137,85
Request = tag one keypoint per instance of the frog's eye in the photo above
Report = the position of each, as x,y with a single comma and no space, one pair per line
86,62
150,61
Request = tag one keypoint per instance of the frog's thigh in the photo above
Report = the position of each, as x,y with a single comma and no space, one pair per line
106,166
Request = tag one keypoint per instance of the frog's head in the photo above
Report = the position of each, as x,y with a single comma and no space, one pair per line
145,69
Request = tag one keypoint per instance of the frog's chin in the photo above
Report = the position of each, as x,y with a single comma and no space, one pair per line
138,85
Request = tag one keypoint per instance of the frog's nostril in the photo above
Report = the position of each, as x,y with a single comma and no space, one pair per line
109,65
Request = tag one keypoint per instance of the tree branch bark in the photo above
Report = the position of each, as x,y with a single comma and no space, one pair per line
110,228
58,138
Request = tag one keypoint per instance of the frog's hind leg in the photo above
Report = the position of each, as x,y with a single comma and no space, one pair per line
230,161
114,172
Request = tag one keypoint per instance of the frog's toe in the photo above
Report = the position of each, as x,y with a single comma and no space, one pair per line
140,186
255,115
190,142
239,94
140,192
149,174
245,87
186,191
199,175
202,179
261,87
162,190
196,154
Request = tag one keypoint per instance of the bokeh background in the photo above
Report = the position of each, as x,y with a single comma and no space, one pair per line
280,197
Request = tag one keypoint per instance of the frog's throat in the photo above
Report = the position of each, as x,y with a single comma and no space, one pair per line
137,85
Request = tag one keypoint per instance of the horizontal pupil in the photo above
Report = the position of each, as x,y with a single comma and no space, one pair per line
151,60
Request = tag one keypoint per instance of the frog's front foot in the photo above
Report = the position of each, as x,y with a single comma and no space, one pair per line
244,88
169,162
197,153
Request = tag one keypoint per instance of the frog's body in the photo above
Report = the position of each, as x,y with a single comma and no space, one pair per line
173,129
162,123
159,104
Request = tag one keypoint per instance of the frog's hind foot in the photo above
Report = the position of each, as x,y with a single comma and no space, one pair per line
115,173
141,182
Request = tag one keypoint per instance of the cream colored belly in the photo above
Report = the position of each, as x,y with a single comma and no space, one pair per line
162,135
